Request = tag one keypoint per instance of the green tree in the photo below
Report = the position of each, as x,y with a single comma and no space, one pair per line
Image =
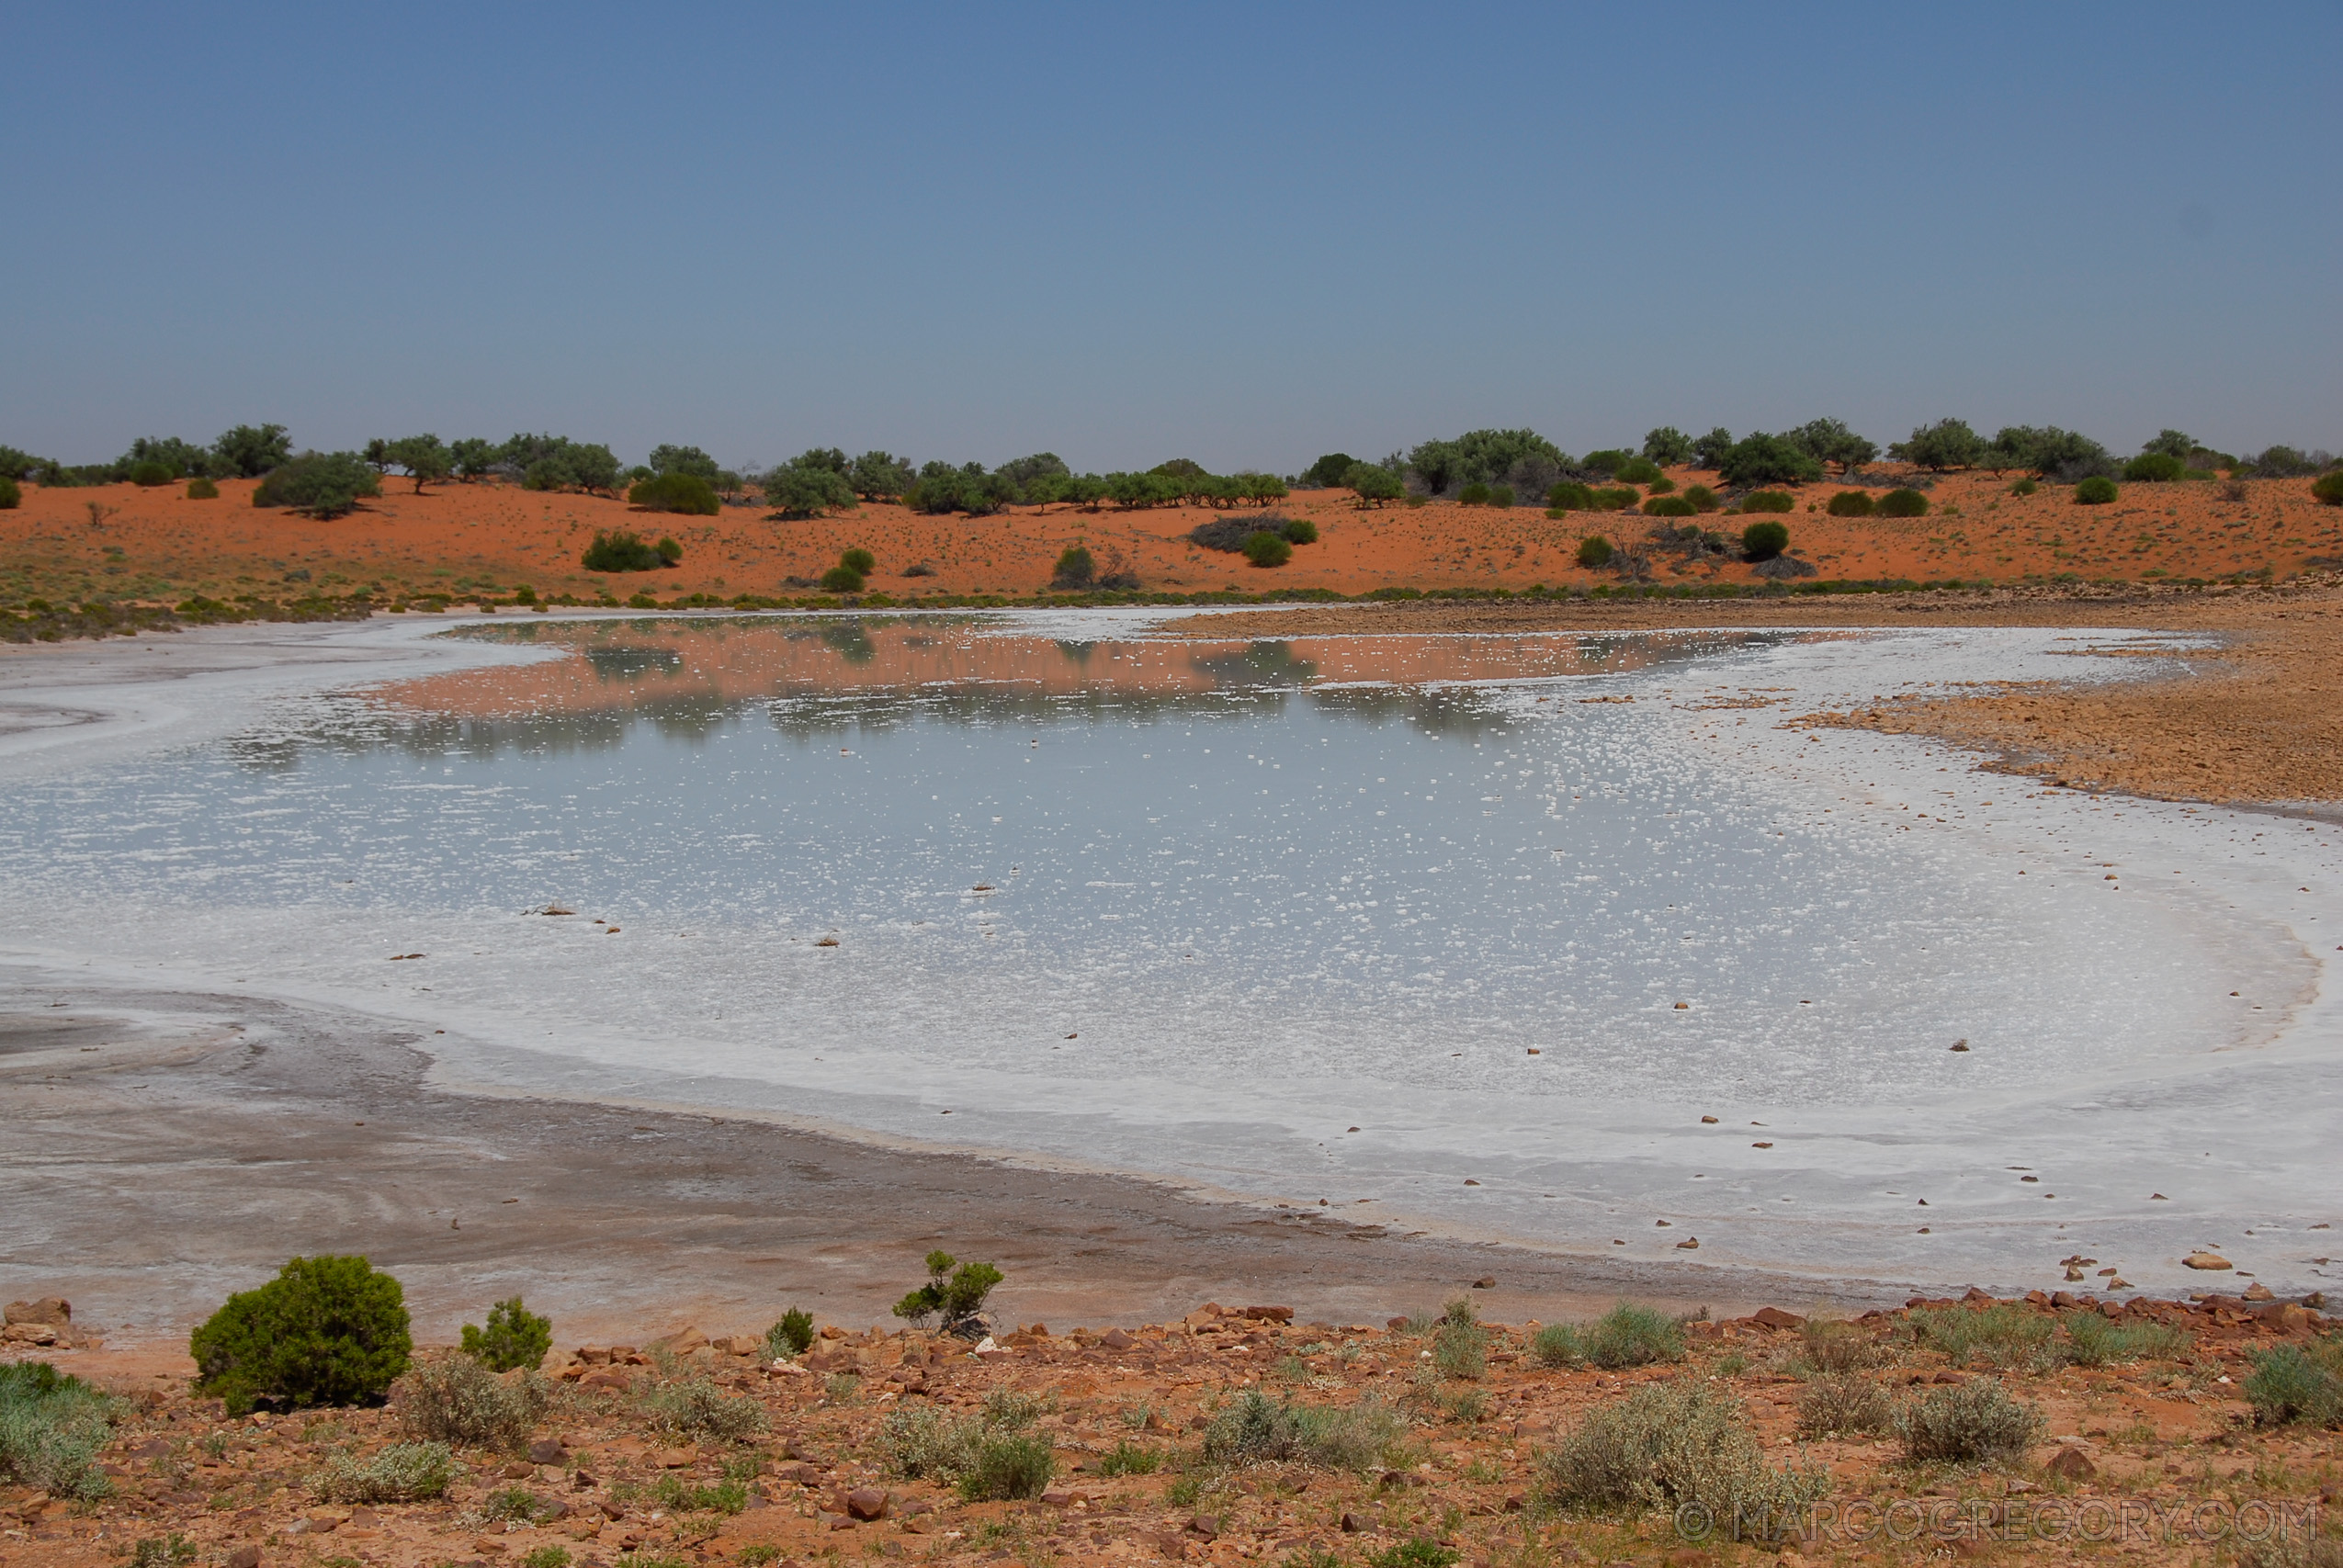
2173,444
1075,569
1374,484
2048,451
1947,443
1668,446
251,450
1436,465
1708,451
19,466
516,1337
681,492
1762,459
324,484
474,457
953,1291
666,459
1019,474
424,457
1043,489
879,476
940,488
1180,469
1830,441
180,459
799,489
325,1331
1329,471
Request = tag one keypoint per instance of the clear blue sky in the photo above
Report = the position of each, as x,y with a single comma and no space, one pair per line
1246,233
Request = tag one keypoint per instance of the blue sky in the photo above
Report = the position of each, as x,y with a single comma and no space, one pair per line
1245,233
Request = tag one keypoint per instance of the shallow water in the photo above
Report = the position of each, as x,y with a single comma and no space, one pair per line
1356,919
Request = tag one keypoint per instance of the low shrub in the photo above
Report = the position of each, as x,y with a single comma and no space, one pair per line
1264,548
1418,1551
2329,488
1299,531
676,491
2010,1337
1009,1467
1674,1443
622,551
404,1472
1595,551
1969,1423
1617,498
1607,461
2096,490
1460,1344
2024,486
842,579
202,489
1631,1335
1663,485
457,1400
1128,1457
515,1337
1763,541
1670,506
1844,1403
151,475
678,1495
163,1551
792,1335
859,558
1229,534
1075,569
513,1503
325,1331
1636,471
1850,503
1702,498
1768,501
1501,496
1557,1345
694,1407
52,1425
2155,467
12,494
1829,1347
2094,1341
2292,1384
1569,496
1259,1429
1373,483
1903,504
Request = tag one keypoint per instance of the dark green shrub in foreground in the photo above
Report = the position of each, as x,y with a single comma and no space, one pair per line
1850,503
1702,498
325,1331
622,551
676,491
1569,496
1472,494
791,1335
1636,471
2096,490
1299,531
2155,467
1903,504
1264,548
202,489
842,578
859,558
515,1337
2329,488
1595,551
1075,569
1767,500
1763,541
1670,506
151,475
52,1427
324,484
954,1291
11,495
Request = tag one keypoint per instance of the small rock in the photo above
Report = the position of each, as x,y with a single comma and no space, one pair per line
2073,1465
521,1470
1115,1339
548,1451
2258,1292
834,1521
1690,1244
674,1459
1351,1525
244,1557
1206,1525
1774,1317
54,1311
866,1502
1486,1282
1708,1121
2211,1261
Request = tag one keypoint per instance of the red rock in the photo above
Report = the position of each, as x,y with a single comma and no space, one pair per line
674,1459
1351,1524
244,1557
54,1311
1268,1314
548,1451
1205,1525
2073,1465
1774,1317
866,1502
1115,1339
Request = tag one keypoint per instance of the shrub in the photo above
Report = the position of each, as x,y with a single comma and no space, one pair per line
1947,443
1501,496
1636,471
1663,485
2293,1384
1264,548
325,1331
1903,504
1844,1403
623,551
1127,1458
1460,1345
1557,1345
954,1291
1257,1429
2096,490
1299,531
681,1496
202,489
151,475
1830,441
2093,1341
1472,494
2024,486
1764,541
1615,499
1606,462
842,579
807,487
2329,488
1850,503
457,1400
1762,459
694,1407
1767,500
1668,446
515,1337
1569,496
1670,506
1074,570
12,495
1631,1335
548,1557
1328,471
1595,552
2001,1336
2155,467
1968,1423
793,1336
676,491
404,1472
249,451
1674,1443
1373,483
1702,498
1008,1467
858,560
1419,1552
324,484
51,1427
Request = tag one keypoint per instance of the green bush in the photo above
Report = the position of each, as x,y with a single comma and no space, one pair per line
1595,551
623,551
249,451
2024,486
1616,497
1762,459
679,1496
52,1427
202,489
1329,471
857,558
1674,1443
1416,1551
1460,1344
404,1472
1767,500
1259,1429
1075,569
457,1400
1127,1458
1472,494
1964,1424
324,484
954,1291
1569,496
1373,483
676,491
1763,541
1008,1467
1670,506
325,1331
2003,1336
151,476
1850,503
1702,498
694,1407
2329,488
2292,1384
1557,1345
1947,443
842,579
1903,504
2096,490
515,1337
1841,1404
1501,496
2155,467
793,1336
12,495
1606,462
1264,548
1631,1335
1636,471
1668,446
1299,531
2094,1341
1663,485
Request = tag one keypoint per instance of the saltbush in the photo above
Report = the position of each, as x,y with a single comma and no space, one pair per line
1501,496
2096,490
1670,1444
1264,548
52,1425
1632,1335
1670,506
1663,485
1615,498
676,491
1074,570
151,476
792,1335
2025,486
2094,1341
1257,1429
1557,1345
1460,1344
1636,471
1595,551
201,489
515,1337
1971,1422
2329,488
1569,496
1767,500
457,1400
694,1407
990,1455
2155,467
11,494
1763,541
402,1473
1841,1403
622,551
1850,503
1903,504
325,1331
2010,1337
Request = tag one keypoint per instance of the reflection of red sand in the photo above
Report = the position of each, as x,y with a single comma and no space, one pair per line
629,663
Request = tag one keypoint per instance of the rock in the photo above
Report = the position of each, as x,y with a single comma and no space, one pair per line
2073,1465
2211,1261
517,1470
1976,1294
54,1311
1708,1121
834,1521
28,1334
548,1451
1115,1339
674,1459
1268,1314
741,1345
1774,1317
1690,1244
1062,1497
1205,1525
2258,1292
608,1379
1351,1525
244,1557
866,1502
1486,1282
488,1545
